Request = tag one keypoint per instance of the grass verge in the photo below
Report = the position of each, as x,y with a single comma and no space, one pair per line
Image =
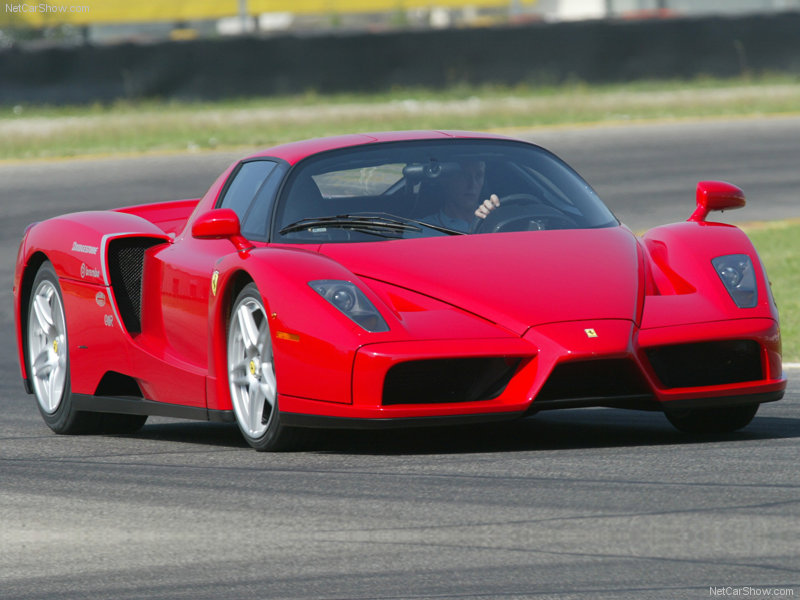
777,244
134,127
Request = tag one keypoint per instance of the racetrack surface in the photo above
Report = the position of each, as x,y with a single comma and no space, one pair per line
588,503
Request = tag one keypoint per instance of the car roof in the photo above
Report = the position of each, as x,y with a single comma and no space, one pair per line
296,151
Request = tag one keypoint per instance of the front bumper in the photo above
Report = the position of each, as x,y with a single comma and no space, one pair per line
559,365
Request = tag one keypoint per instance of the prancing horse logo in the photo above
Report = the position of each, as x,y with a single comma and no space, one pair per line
214,280
590,333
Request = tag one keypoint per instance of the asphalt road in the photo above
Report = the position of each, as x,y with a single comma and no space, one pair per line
579,504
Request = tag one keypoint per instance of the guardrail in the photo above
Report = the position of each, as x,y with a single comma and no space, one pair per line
591,51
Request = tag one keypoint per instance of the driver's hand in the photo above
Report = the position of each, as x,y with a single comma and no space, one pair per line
487,206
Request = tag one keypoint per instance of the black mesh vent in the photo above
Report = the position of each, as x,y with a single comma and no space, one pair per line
595,380
447,380
707,363
125,265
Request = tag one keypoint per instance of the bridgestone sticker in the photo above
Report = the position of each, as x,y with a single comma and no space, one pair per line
84,248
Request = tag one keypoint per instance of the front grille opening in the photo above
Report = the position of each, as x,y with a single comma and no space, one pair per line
117,384
125,266
448,380
594,380
707,363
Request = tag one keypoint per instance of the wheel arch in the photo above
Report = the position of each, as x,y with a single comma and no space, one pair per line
314,343
31,268
230,286
236,282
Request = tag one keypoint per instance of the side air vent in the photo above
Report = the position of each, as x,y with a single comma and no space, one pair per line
125,266
447,380
707,363
117,384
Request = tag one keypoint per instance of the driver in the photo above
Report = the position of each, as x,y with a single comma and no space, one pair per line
461,194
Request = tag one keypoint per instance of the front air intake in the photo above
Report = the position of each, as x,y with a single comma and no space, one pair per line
707,363
606,382
448,380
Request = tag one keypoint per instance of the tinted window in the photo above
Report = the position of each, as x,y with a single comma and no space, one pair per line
246,182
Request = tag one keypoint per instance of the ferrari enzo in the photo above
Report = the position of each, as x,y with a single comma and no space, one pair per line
344,282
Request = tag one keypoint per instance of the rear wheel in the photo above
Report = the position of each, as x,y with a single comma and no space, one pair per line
712,420
48,365
251,374
47,357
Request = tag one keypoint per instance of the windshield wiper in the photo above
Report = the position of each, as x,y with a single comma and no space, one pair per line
375,224
381,224
441,228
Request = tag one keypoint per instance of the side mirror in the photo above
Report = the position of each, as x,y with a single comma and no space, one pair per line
716,195
220,223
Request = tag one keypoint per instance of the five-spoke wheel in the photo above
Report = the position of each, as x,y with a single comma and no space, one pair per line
47,357
251,373
48,364
47,343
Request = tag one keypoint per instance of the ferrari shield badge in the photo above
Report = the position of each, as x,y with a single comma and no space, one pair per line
590,333
214,280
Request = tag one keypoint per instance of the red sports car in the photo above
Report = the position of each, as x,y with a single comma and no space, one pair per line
392,279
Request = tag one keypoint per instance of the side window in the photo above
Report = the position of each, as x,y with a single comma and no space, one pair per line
246,182
255,225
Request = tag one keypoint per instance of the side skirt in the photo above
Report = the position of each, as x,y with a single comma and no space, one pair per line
129,405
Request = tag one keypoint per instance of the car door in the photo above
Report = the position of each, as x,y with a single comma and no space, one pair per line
186,268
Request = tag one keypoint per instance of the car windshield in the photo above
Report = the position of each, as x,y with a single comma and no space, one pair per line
432,188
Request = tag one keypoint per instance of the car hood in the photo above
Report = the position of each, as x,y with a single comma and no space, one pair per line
517,280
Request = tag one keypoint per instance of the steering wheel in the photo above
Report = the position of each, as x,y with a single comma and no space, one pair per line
522,212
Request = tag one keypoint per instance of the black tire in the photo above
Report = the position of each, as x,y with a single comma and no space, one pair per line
47,360
712,420
251,370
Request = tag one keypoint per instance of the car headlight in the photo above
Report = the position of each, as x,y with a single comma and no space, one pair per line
351,301
737,274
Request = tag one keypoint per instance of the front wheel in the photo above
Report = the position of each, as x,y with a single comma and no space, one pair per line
712,420
251,374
